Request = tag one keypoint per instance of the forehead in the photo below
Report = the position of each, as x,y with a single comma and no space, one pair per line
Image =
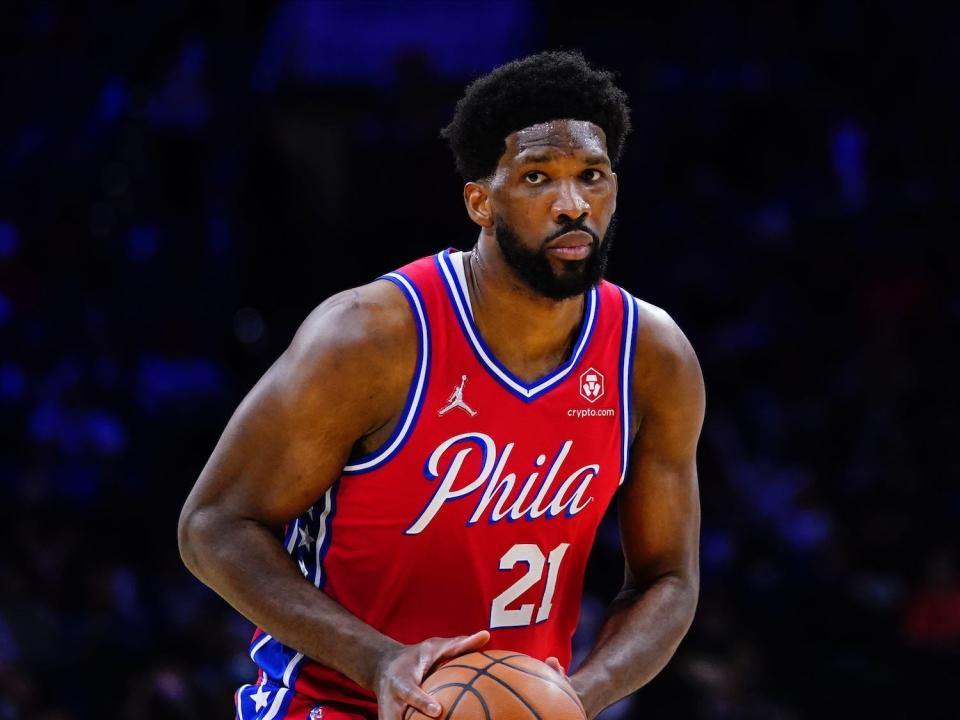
555,137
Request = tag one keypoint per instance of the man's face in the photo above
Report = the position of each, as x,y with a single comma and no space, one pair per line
553,198
539,271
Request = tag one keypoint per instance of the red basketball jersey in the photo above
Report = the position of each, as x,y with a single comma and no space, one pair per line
481,509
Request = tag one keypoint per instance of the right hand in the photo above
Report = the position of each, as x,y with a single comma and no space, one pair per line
400,672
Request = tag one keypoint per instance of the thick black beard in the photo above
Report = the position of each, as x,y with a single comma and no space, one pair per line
534,269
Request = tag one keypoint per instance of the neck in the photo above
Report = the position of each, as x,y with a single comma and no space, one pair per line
529,333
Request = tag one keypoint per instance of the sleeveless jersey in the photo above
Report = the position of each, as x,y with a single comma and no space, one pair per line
479,511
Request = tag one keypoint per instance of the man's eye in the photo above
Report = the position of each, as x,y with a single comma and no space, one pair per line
595,177
534,175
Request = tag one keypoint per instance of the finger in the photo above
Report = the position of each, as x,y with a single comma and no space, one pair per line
555,664
461,645
445,648
468,643
417,698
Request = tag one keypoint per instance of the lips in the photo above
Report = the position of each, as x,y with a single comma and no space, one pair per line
575,238
575,245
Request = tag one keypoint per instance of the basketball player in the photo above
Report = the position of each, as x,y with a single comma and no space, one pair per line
422,472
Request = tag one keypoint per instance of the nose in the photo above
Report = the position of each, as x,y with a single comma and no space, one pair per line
570,205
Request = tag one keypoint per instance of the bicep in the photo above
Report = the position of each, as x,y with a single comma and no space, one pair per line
290,437
659,504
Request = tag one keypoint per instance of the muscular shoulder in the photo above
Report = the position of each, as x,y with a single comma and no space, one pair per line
356,321
359,349
336,383
667,378
662,347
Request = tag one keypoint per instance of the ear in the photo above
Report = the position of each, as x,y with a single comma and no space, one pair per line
476,197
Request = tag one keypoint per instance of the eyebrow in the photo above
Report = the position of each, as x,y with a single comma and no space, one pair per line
551,157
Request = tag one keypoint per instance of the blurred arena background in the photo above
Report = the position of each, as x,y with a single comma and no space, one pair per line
180,183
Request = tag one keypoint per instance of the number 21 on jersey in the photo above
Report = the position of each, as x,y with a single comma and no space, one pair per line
500,615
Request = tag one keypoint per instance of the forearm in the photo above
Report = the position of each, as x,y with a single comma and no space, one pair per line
247,566
642,631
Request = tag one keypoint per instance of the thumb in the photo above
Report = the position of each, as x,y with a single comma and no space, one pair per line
472,642
555,664
464,644
475,641
425,704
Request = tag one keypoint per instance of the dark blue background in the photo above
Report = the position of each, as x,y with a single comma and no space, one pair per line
181,183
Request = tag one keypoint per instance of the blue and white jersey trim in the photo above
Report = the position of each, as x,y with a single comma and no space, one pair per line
418,388
322,541
307,540
276,699
525,391
627,343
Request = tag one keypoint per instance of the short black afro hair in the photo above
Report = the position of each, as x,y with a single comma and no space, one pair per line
552,85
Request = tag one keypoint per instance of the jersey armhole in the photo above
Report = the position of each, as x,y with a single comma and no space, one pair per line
628,342
418,386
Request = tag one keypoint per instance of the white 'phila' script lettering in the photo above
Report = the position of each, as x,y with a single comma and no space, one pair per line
494,487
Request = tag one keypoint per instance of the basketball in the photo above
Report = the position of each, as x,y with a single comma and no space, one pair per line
499,685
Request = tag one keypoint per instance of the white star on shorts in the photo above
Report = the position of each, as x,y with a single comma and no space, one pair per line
261,697
305,538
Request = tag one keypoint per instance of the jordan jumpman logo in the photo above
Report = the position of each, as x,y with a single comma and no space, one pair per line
456,400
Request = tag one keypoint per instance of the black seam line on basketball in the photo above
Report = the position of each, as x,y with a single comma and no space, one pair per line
499,660
521,698
483,671
542,677
464,687
467,686
503,661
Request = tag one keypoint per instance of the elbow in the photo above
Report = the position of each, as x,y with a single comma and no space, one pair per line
191,529
684,592
686,589
692,596
184,539
686,586
685,598
691,586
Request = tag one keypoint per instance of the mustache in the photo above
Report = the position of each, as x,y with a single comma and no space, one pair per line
570,228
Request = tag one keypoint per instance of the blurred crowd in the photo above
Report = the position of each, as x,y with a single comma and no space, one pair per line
180,185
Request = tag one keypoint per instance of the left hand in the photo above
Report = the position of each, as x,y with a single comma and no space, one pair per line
554,664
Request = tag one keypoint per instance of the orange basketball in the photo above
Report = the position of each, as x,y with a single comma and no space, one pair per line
499,685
